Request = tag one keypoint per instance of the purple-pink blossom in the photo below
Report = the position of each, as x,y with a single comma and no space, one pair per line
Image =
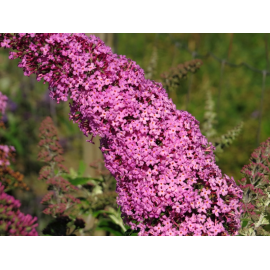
167,179
12,220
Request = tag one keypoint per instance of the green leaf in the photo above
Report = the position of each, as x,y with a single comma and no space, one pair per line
73,173
130,232
115,216
82,168
108,229
97,213
66,176
265,221
97,190
17,144
80,181
244,223
109,226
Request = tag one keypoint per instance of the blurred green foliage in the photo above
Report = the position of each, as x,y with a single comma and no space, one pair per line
240,87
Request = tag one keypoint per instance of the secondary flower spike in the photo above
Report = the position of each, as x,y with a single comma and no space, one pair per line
167,179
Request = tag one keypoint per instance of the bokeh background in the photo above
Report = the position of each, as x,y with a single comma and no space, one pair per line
237,91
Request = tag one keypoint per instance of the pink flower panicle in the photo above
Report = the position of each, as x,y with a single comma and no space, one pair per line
255,186
167,179
59,200
12,220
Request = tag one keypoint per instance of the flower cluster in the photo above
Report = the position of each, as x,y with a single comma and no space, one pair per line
9,178
12,220
173,77
59,198
167,179
5,154
256,191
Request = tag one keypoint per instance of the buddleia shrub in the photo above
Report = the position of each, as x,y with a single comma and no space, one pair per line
167,179
256,192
